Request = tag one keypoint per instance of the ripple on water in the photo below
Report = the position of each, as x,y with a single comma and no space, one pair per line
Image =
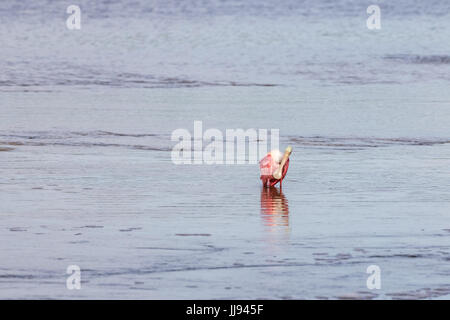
424,293
419,59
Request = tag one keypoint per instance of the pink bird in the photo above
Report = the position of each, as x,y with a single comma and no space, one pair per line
274,166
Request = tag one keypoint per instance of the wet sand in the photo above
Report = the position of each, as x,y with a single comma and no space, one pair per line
112,202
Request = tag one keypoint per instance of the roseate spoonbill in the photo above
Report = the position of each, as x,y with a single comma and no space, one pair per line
274,167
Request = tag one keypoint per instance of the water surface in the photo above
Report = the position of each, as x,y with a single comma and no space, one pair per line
86,176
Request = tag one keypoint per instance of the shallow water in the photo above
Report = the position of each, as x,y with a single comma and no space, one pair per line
86,176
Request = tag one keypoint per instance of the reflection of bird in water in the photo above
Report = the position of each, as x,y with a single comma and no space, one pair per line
274,207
